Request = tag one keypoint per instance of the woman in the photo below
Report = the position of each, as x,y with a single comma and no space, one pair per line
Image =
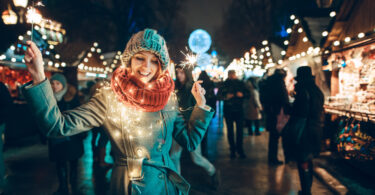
275,98
252,108
138,111
304,131
6,104
67,150
186,102
210,96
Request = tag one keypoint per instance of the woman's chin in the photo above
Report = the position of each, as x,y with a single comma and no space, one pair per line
145,80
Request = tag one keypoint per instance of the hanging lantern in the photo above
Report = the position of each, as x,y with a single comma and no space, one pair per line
9,16
20,3
33,16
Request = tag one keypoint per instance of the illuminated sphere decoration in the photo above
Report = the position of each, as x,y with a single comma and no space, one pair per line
199,41
204,59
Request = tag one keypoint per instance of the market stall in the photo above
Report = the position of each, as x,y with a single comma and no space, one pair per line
349,57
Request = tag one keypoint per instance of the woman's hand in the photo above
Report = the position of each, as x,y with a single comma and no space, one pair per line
34,62
198,93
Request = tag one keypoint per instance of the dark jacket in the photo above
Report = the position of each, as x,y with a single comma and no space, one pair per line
274,96
306,121
6,103
210,96
66,148
185,99
235,104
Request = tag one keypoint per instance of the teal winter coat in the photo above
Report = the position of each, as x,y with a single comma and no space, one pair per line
140,140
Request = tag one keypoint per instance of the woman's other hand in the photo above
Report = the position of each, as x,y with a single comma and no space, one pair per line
34,62
198,93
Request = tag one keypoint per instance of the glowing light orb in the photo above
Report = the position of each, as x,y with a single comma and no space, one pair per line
199,41
204,59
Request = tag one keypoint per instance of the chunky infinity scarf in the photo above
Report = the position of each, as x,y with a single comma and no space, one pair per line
148,97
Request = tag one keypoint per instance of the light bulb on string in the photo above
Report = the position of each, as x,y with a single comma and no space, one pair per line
332,14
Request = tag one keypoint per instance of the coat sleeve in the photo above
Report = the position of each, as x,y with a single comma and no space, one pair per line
189,135
54,123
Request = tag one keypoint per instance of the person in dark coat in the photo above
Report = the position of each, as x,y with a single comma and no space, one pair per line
274,97
233,92
6,103
305,126
209,86
186,102
65,151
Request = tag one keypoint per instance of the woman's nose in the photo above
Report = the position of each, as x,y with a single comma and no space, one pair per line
147,64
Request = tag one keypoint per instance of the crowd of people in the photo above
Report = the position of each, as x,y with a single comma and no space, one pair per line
170,115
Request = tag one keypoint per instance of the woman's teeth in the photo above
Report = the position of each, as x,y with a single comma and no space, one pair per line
144,73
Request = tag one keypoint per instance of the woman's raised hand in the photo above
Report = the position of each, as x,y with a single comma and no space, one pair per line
34,62
198,93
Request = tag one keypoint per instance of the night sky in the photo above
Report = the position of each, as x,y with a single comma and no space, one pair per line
206,14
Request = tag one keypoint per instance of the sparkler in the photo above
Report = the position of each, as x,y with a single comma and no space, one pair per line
33,16
190,59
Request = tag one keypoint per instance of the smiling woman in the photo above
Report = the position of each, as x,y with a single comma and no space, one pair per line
138,110
146,66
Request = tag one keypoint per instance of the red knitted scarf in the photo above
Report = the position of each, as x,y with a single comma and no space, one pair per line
148,97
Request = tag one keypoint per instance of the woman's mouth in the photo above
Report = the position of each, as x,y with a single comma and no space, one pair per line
145,74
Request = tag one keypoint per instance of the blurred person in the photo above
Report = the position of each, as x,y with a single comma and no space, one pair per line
140,95
6,103
274,98
233,92
252,107
304,130
209,86
186,102
65,151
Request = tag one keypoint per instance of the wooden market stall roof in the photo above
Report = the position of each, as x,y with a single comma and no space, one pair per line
354,17
296,42
310,36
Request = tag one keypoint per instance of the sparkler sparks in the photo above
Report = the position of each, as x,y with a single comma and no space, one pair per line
190,59
34,16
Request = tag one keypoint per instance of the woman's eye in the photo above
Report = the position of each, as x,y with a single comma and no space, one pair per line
155,62
139,58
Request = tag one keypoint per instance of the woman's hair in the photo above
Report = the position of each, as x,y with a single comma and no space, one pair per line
204,76
188,76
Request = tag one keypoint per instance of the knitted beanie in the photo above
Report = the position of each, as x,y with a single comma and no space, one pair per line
146,40
59,77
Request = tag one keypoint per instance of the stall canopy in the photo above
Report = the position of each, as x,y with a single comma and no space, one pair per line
354,17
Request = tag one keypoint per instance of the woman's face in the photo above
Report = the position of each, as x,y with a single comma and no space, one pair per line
56,86
180,73
145,65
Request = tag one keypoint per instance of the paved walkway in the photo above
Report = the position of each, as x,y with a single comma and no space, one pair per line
30,171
